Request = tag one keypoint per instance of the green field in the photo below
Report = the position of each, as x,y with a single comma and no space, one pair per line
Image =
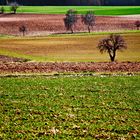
70,108
70,48
99,10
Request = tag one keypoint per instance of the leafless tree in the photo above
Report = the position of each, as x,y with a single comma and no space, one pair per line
111,44
88,19
22,29
137,24
70,19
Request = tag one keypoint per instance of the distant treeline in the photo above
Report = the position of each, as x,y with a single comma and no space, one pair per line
72,2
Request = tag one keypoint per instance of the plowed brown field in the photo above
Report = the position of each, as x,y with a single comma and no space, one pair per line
42,24
13,65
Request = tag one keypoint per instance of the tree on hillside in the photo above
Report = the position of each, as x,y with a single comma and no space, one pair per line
111,44
88,19
137,24
13,7
70,20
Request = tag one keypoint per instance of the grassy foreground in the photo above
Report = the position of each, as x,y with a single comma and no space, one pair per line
70,108
99,10
73,48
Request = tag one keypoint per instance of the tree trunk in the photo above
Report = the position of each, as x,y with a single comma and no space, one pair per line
112,56
88,29
23,33
14,11
71,30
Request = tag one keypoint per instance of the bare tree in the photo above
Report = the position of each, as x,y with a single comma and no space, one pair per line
13,7
111,44
70,19
137,24
88,19
22,29
2,10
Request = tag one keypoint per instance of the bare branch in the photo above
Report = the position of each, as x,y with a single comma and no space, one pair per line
111,44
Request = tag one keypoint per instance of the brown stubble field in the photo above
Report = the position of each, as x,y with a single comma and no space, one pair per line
73,53
68,48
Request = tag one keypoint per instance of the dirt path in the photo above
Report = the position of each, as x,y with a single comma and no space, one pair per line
41,24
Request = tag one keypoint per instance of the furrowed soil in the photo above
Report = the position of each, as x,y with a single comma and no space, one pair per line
4,58
43,24
13,65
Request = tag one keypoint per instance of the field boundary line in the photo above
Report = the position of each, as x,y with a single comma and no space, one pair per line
59,75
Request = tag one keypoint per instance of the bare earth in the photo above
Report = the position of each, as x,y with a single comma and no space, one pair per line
13,65
43,67
43,24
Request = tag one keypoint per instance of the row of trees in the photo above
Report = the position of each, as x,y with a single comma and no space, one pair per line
88,19
71,19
